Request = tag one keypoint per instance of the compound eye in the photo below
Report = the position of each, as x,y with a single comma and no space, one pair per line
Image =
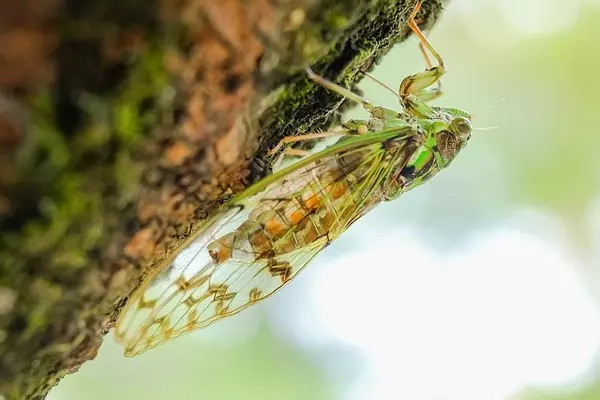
461,127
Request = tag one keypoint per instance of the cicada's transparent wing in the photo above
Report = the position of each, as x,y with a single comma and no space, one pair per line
215,292
260,241
183,265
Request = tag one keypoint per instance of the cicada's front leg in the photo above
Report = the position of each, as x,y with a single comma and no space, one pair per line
288,152
435,92
417,88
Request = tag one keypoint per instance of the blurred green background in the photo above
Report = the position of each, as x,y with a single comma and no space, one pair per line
483,284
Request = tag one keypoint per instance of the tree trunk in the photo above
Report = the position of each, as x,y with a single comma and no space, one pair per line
123,123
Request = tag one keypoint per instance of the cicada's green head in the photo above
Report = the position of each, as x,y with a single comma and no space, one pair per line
441,141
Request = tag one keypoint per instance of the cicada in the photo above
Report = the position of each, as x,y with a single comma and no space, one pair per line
263,237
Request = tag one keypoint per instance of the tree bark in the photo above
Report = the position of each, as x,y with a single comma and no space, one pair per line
123,123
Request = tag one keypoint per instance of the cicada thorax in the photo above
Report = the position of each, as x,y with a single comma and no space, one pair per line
440,148
402,152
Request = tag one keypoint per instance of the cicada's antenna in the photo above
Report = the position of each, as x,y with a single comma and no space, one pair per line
491,107
487,128
487,110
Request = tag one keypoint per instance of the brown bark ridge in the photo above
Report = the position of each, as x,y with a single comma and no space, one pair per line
123,123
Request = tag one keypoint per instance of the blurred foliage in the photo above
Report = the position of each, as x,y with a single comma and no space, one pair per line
253,365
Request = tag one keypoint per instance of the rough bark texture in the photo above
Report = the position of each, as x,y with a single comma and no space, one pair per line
124,122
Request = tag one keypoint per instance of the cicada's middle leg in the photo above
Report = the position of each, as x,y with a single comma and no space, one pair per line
300,138
291,152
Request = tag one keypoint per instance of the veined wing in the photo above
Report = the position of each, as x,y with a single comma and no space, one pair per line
262,238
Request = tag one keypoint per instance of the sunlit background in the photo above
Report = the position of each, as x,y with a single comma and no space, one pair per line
483,284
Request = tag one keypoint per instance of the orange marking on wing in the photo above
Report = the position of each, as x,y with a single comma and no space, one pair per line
275,227
260,241
312,203
288,246
220,254
220,250
337,190
297,216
